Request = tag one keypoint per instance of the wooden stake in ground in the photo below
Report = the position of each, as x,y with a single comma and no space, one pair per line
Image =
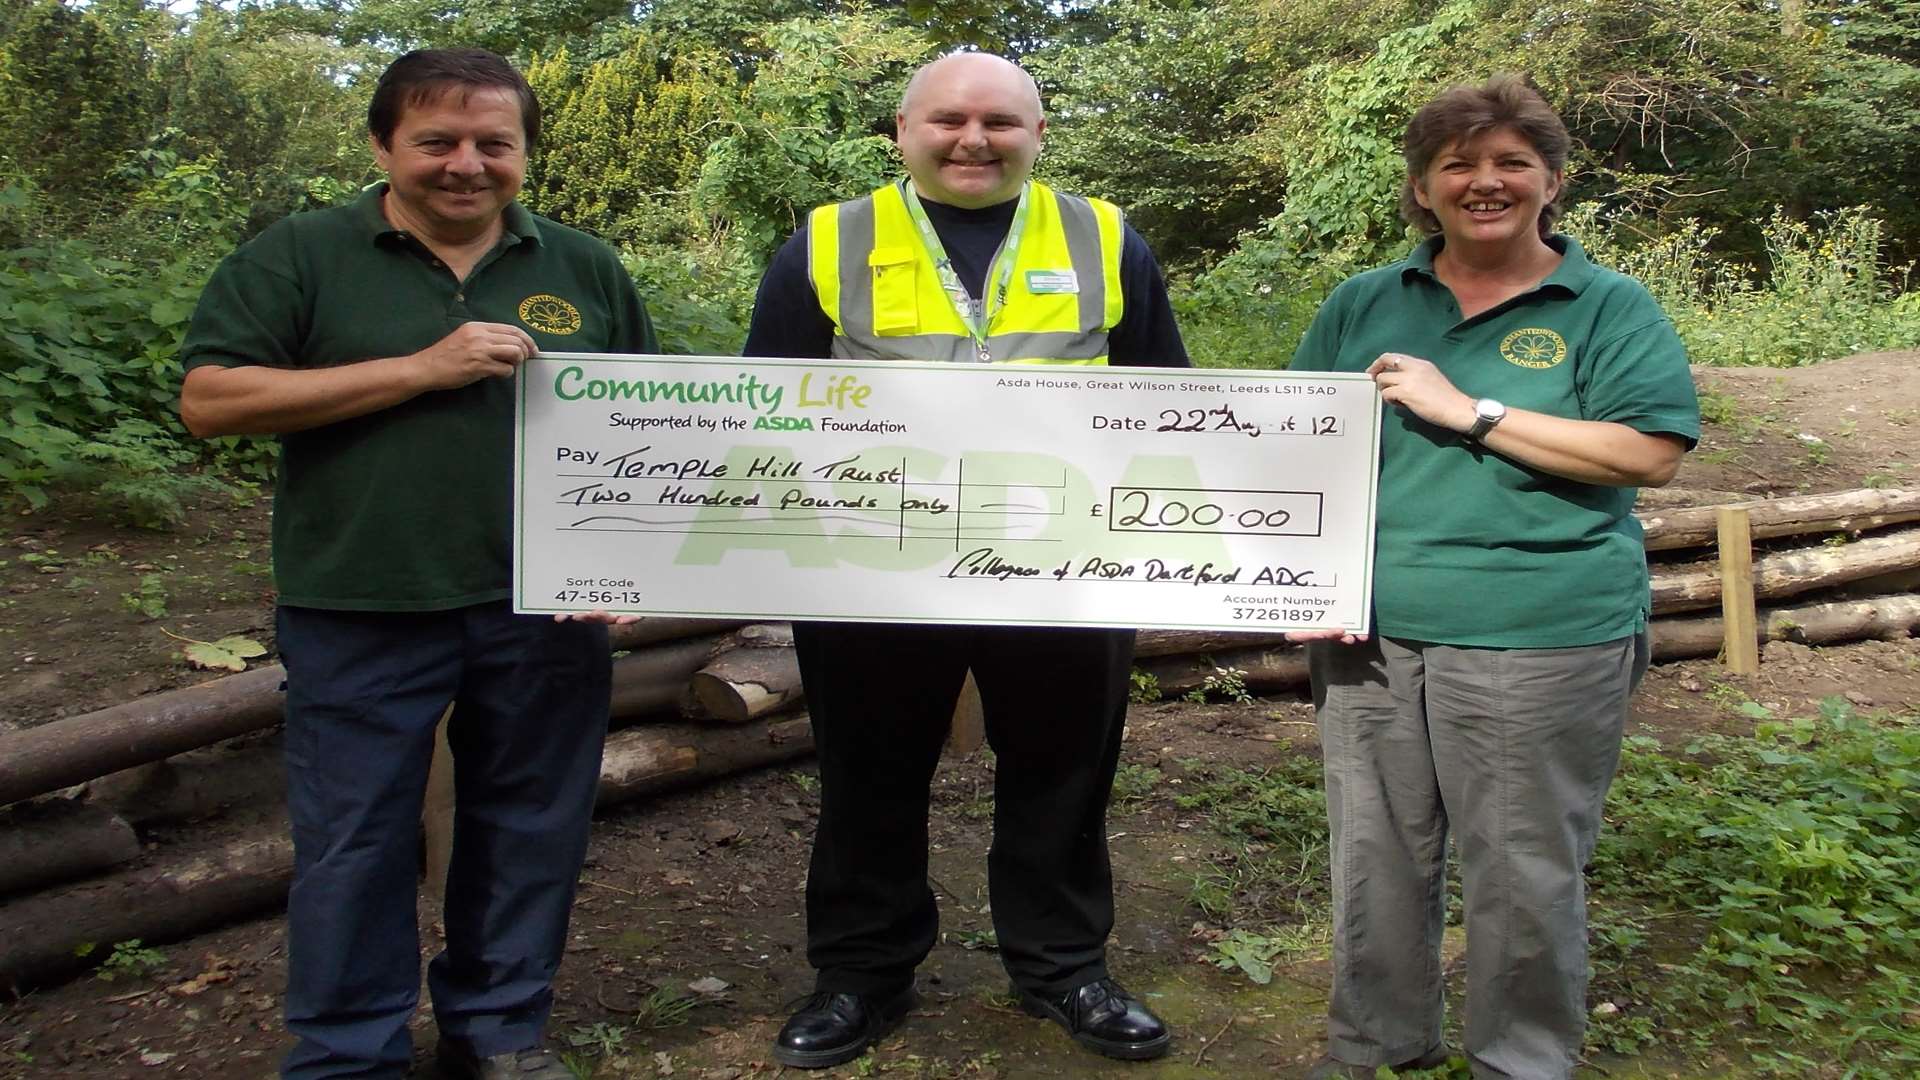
1741,654
436,813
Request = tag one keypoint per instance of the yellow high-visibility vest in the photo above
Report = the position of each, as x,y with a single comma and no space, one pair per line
877,282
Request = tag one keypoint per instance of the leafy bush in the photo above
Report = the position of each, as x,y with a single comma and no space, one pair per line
700,298
89,353
1795,847
1825,292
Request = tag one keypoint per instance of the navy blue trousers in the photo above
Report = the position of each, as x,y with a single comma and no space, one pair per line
365,691
881,697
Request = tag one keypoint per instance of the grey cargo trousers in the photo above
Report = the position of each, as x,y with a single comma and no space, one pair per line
1510,750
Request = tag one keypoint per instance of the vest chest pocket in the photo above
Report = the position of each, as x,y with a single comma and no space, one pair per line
896,294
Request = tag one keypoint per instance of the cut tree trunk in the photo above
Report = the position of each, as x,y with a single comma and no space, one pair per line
60,931
1192,642
1841,511
652,631
1790,573
744,683
1262,668
39,934
661,757
654,679
79,748
59,841
196,785
1881,618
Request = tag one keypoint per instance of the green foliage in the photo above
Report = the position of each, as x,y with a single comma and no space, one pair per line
1255,954
700,298
1275,820
624,140
1133,783
148,599
1222,682
810,131
1143,687
1179,163
1825,291
1339,147
72,100
1794,849
89,371
130,959
602,1038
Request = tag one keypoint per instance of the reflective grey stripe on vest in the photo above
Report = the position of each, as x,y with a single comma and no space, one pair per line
857,341
958,348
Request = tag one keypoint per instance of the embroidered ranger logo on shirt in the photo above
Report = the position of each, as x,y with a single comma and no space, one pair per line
1533,347
549,314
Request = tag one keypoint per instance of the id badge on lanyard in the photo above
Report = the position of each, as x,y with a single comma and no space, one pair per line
975,315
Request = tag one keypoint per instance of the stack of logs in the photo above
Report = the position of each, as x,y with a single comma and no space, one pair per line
707,698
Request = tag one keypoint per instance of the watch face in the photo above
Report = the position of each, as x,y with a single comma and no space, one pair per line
1489,410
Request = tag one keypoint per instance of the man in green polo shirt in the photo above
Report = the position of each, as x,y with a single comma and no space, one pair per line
377,340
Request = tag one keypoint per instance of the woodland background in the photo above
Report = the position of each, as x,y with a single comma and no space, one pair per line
1753,162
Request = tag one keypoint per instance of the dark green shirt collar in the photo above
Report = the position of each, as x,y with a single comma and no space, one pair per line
520,223
1573,274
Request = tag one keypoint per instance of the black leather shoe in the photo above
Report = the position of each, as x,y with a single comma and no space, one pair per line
1103,1017
828,1029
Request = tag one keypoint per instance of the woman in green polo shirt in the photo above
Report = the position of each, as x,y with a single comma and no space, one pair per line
1528,393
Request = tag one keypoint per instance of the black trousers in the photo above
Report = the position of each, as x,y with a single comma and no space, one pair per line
881,697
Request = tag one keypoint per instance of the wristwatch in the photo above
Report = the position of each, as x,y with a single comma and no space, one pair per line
1486,413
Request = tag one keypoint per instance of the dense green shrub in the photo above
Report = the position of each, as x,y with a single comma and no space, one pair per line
1825,291
1794,849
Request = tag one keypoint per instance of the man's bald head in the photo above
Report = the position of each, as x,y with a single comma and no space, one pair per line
980,65
969,129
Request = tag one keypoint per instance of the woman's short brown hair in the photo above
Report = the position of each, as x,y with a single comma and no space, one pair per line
1462,113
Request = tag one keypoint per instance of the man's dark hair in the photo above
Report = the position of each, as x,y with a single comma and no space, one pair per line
1463,113
423,75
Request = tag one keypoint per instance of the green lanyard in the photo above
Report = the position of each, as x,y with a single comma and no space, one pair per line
975,317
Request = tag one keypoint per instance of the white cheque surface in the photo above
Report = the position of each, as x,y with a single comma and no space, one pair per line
946,493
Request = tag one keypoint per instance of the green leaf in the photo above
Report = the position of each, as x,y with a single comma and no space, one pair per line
229,653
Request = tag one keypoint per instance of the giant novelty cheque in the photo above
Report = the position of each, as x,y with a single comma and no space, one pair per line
949,493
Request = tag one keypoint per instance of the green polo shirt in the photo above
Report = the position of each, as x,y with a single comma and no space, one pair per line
409,508
1474,548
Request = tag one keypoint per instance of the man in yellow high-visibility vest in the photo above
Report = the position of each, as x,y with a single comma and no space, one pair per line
967,260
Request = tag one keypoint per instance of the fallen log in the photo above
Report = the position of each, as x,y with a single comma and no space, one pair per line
1668,498
1881,618
662,757
78,748
60,931
651,631
1182,642
1840,511
1261,668
655,679
741,684
59,841
191,786
42,936
1790,573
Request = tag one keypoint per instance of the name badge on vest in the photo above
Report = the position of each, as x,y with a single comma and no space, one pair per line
1052,281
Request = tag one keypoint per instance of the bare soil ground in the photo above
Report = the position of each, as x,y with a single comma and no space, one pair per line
705,887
